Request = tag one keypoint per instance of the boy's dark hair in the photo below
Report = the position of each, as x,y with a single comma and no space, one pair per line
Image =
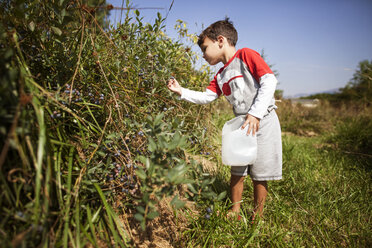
224,28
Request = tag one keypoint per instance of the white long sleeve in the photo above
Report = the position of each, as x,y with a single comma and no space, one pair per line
198,97
265,97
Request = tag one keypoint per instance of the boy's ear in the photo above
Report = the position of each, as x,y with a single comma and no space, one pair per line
221,39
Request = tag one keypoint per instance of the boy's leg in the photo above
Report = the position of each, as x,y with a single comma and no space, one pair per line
236,187
260,193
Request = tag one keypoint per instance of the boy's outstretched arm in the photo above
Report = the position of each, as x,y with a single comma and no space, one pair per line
192,96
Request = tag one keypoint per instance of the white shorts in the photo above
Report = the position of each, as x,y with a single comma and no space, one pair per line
268,165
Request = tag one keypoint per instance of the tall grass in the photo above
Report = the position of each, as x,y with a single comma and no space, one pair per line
74,138
353,136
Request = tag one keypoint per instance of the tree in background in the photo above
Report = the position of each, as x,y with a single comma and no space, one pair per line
359,87
278,93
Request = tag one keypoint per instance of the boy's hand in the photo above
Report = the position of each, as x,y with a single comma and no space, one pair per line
253,122
174,86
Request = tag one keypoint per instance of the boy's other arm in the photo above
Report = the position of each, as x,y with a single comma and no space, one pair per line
191,95
265,94
266,79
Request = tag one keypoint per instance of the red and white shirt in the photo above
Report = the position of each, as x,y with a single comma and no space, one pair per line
245,80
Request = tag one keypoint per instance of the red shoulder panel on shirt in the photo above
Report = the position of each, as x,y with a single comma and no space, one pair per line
255,63
213,85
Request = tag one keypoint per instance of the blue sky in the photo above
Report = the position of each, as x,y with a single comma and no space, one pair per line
314,45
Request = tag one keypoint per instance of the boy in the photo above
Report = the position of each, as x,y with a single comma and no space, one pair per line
249,85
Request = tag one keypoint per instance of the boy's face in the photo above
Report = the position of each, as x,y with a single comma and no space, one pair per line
212,51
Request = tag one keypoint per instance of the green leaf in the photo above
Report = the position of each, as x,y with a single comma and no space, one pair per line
139,217
183,142
204,183
177,203
176,174
146,198
143,224
31,26
191,188
112,218
112,136
175,141
152,145
212,180
137,12
146,161
221,196
209,195
152,215
9,53
161,60
152,204
158,119
57,31
162,142
141,173
140,209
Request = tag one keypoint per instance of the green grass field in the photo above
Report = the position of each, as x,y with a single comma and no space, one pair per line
324,200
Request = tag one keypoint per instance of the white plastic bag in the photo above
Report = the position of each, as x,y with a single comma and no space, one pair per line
238,148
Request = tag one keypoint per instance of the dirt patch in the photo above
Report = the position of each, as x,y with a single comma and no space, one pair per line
208,166
304,133
164,231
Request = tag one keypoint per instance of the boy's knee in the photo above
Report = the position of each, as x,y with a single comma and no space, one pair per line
237,179
260,183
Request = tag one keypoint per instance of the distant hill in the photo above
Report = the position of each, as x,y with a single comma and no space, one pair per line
358,89
300,95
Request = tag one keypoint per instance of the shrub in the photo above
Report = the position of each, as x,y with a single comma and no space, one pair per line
301,120
354,136
76,98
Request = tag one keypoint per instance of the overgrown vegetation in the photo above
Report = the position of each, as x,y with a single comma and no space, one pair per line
345,116
80,104
92,142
